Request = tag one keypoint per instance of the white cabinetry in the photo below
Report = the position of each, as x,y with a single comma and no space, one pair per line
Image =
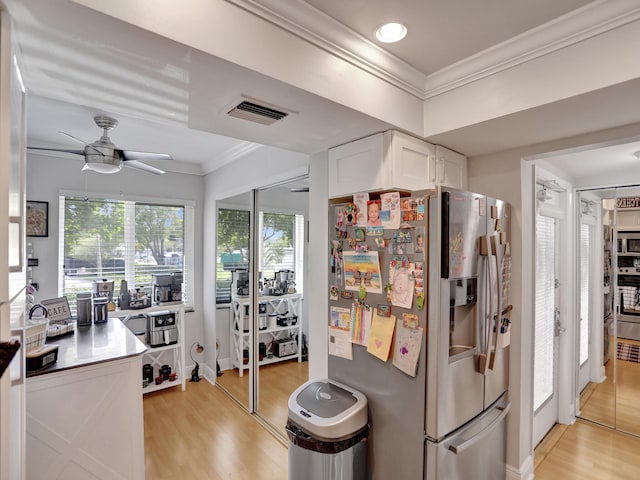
285,306
450,169
172,355
393,161
86,423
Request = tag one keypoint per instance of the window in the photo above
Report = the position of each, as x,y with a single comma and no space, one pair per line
281,247
123,240
544,355
585,254
232,249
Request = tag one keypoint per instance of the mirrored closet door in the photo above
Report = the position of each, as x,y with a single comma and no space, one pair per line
233,302
261,247
609,277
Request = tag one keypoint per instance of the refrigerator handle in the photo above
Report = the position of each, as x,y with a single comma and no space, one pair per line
483,360
461,446
498,316
444,235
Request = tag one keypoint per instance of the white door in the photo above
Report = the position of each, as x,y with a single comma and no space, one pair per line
547,326
584,289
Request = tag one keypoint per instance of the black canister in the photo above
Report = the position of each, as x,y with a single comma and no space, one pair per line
147,373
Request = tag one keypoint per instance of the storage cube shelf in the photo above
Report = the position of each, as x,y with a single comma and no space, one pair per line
284,305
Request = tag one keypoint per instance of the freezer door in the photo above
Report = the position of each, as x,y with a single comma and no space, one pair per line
477,450
462,222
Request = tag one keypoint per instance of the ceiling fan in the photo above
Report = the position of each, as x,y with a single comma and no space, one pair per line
103,156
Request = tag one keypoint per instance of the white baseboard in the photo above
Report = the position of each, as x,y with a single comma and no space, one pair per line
208,373
225,363
525,472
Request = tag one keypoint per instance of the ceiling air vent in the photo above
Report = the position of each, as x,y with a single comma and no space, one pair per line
262,113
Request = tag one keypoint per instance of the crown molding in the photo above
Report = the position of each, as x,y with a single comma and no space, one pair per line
312,25
234,153
577,26
321,30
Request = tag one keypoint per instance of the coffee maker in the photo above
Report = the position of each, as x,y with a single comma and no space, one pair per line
240,283
176,287
285,282
161,288
101,296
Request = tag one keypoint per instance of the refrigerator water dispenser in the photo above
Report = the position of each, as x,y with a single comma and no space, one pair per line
462,316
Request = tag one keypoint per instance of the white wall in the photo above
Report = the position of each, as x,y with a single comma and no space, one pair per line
47,175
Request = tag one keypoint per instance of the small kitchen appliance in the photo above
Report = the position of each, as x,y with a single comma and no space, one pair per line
176,287
285,347
162,329
161,288
102,295
240,283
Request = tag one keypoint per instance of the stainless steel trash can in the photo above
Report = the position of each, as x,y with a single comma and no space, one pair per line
328,429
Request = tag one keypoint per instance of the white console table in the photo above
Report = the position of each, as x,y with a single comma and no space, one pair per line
241,322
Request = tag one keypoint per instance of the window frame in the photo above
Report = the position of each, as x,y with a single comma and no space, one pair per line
188,260
299,235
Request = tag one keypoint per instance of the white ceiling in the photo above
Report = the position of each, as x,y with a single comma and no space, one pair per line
171,98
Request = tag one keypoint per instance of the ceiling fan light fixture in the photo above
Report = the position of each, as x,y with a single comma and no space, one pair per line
103,165
391,32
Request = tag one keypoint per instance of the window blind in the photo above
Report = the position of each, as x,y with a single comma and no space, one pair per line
281,247
585,255
300,245
232,249
545,252
123,240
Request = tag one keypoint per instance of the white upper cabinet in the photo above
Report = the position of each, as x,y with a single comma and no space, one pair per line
450,168
393,161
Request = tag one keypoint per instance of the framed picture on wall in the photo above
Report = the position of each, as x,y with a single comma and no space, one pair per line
37,219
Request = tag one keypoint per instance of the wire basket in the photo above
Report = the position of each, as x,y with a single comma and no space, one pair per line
35,334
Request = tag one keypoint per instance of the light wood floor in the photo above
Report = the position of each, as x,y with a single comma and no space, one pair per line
203,434
587,451
615,403
277,382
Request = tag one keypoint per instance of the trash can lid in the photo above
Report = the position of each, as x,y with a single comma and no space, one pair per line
328,409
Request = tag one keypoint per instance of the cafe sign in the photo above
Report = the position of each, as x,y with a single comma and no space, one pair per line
628,202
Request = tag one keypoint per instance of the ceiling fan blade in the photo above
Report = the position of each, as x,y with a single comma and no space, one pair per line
66,150
76,139
133,155
142,166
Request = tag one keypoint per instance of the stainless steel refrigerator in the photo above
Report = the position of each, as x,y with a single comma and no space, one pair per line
467,368
447,422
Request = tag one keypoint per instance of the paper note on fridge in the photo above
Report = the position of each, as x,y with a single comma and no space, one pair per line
340,343
361,324
406,349
381,336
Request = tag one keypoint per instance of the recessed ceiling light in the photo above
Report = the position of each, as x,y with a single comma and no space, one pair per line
391,32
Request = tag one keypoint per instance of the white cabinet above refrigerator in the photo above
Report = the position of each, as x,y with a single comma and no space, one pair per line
393,161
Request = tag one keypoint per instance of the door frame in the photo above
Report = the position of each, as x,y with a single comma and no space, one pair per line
567,347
